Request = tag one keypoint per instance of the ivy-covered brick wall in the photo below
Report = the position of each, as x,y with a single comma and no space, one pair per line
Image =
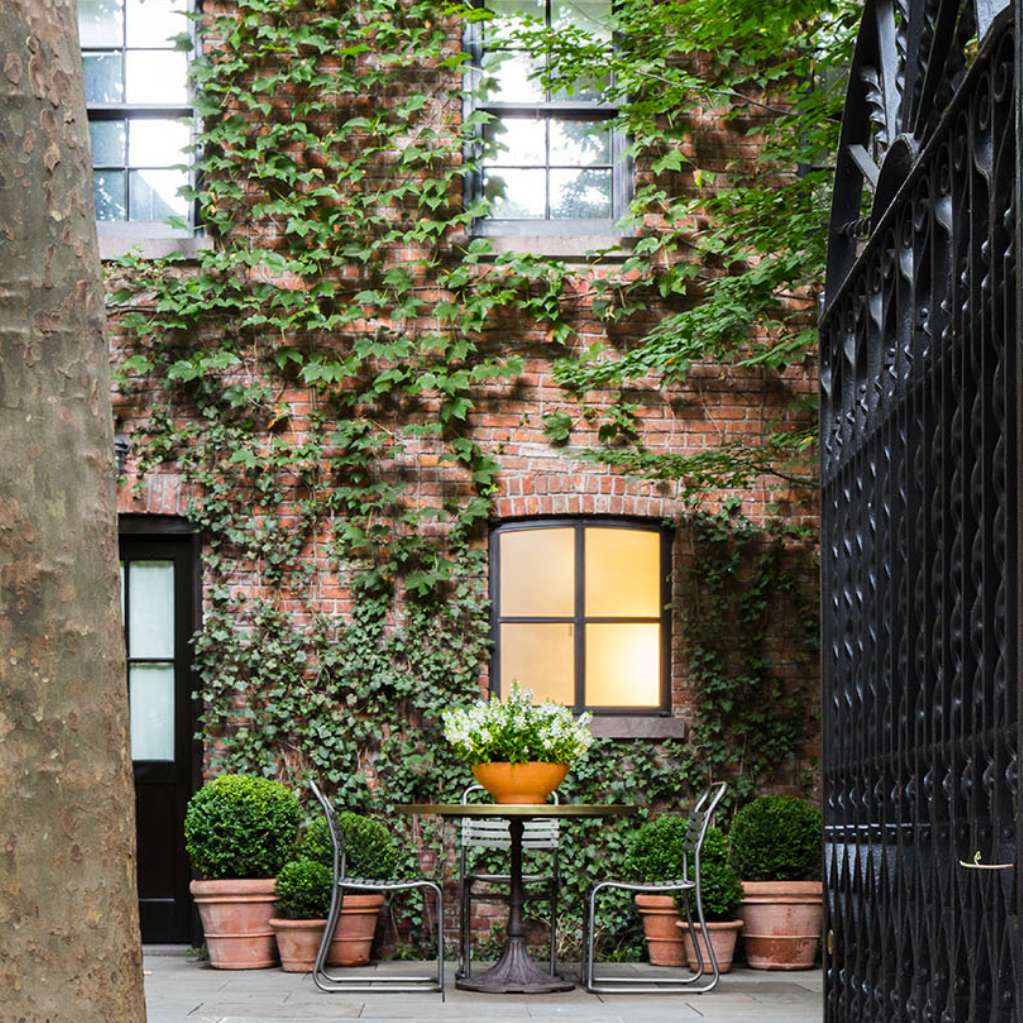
348,390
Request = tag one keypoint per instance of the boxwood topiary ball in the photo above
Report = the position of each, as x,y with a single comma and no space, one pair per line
304,890
239,826
370,851
777,838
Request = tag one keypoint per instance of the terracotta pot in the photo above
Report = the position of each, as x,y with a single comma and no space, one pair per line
723,936
299,940
236,922
782,923
520,783
661,918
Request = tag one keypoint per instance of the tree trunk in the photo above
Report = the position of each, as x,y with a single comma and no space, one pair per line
69,931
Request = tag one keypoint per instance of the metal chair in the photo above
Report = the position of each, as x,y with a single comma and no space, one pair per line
699,820
481,833
330,982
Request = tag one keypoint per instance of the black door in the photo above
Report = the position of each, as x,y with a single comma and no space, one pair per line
158,605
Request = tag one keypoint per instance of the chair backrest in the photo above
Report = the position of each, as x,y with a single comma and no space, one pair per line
484,833
699,821
337,836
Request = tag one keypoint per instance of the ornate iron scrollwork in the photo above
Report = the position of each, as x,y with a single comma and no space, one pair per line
920,515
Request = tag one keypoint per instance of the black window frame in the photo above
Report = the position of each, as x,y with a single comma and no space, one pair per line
579,618
621,163
128,112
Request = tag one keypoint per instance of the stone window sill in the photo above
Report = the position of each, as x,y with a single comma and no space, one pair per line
112,246
583,248
626,726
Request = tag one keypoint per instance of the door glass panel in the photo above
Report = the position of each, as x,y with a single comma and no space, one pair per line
537,572
151,700
539,656
623,573
623,665
151,609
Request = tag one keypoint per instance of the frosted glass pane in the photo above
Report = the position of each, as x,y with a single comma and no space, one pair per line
104,78
516,194
157,142
107,143
100,22
155,22
517,141
151,609
511,77
539,657
108,194
623,573
537,572
154,195
623,665
151,699
156,76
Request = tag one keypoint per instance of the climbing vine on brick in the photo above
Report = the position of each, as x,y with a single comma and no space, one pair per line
347,327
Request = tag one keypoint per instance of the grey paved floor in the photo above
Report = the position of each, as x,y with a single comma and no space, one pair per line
180,990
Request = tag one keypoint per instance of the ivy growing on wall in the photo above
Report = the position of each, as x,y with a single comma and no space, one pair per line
346,327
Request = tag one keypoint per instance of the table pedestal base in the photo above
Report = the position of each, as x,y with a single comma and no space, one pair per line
514,973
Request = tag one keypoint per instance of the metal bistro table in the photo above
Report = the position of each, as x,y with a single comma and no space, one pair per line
515,972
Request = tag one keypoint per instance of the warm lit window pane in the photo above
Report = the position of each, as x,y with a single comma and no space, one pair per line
579,194
151,609
516,194
100,22
159,76
623,665
518,141
151,703
623,573
155,22
540,657
537,572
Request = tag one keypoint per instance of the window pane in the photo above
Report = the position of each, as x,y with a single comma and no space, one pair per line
580,193
623,665
539,657
591,16
154,195
157,77
101,22
157,143
623,573
107,139
516,194
497,29
151,703
537,572
151,609
518,140
579,143
108,194
509,73
154,22
104,81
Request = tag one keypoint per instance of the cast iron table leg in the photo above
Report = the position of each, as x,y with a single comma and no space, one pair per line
515,972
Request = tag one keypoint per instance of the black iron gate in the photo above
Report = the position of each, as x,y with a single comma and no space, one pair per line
920,421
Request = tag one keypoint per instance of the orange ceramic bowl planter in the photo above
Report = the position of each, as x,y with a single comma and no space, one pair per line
723,936
520,783
782,923
299,940
235,918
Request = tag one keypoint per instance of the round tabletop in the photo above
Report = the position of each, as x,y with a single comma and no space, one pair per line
519,809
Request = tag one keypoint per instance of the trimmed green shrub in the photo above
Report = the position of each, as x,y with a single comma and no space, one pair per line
238,826
304,890
654,852
777,838
370,851
720,887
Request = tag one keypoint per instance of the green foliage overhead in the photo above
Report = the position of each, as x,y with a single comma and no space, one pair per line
304,890
777,838
370,850
238,826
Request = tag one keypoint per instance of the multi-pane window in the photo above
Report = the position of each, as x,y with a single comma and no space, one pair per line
139,106
549,158
581,612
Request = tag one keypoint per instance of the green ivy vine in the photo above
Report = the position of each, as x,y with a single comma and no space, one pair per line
347,328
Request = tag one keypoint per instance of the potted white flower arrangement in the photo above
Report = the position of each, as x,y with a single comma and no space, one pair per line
519,751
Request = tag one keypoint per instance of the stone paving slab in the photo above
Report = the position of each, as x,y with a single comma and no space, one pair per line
180,989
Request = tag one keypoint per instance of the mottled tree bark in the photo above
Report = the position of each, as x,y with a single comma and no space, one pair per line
69,934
